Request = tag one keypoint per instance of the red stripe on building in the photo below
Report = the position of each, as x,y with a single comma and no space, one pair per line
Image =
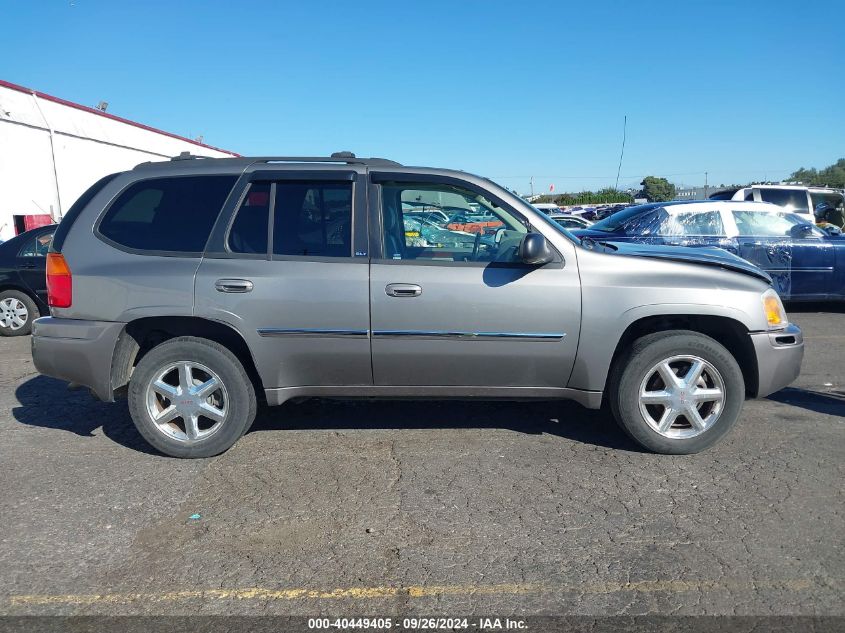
78,106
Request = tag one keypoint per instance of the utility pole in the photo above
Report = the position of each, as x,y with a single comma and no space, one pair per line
532,186
622,153
705,185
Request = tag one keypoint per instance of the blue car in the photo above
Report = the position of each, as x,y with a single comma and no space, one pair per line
805,262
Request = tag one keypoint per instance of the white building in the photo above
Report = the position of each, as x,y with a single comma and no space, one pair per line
52,150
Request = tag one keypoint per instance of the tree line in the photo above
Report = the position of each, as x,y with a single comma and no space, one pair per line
608,195
653,188
656,189
830,176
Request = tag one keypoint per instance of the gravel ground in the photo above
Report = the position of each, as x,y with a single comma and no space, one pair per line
398,508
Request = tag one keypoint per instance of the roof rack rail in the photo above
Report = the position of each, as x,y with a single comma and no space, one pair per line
187,156
338,157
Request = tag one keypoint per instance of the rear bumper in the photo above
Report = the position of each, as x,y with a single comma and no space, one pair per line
779,357
77,351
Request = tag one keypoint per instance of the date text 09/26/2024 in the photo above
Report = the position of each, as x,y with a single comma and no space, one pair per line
417,624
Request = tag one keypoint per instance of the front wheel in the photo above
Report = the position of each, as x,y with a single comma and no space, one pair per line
677,392
191,397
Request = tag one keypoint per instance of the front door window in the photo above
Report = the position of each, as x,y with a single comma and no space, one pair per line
448,224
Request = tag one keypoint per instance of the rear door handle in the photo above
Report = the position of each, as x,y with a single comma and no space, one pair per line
233,285
27,265
403,290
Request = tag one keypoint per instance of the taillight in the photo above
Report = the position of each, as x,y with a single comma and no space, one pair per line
59,282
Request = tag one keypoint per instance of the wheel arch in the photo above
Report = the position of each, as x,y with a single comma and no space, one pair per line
729,332
143,334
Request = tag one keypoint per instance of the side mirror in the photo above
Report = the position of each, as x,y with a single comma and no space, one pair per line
534,250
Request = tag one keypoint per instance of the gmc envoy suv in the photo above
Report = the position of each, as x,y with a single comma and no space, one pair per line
195,286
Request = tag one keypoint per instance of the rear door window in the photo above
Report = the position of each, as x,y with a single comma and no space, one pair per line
167,214
313,219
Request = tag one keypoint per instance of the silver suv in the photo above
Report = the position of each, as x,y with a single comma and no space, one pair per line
196,285
793,198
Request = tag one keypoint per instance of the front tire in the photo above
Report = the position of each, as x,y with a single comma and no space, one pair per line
676,392
17,311
191,397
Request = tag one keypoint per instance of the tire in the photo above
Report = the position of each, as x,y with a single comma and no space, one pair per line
161,407
16,306
642,371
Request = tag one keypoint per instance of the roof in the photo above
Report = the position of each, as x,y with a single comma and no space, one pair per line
83,108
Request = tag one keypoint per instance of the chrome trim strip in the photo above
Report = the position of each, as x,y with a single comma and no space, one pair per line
542,336
279,332
539,336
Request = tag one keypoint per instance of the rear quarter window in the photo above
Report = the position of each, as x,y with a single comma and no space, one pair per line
37,246
75,209
166,214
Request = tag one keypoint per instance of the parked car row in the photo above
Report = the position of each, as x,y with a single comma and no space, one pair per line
569,221
587,213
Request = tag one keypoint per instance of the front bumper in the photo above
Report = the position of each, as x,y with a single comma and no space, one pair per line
779,356
76,350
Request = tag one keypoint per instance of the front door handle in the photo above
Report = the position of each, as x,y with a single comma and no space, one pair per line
403,290
233,285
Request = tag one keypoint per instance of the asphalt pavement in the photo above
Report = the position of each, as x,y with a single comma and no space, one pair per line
400,508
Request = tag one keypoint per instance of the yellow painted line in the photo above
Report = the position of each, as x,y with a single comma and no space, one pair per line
412,591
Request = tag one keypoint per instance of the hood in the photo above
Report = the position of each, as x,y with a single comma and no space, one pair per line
702,255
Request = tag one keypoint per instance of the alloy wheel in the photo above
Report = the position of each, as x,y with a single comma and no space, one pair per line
682,396
13,313
187,401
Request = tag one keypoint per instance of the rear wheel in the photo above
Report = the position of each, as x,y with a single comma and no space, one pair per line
677,392
17,310
191,397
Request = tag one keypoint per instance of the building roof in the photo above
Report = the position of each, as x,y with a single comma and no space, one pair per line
78,106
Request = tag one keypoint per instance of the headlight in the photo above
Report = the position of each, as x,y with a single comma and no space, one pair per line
772,306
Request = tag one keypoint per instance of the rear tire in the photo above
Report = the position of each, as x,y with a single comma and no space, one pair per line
191,397
696,405
17,311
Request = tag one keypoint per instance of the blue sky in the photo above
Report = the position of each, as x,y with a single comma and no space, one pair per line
743,90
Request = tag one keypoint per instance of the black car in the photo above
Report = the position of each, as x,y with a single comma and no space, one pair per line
23,285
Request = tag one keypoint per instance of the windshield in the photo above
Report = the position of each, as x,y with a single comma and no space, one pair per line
614,222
